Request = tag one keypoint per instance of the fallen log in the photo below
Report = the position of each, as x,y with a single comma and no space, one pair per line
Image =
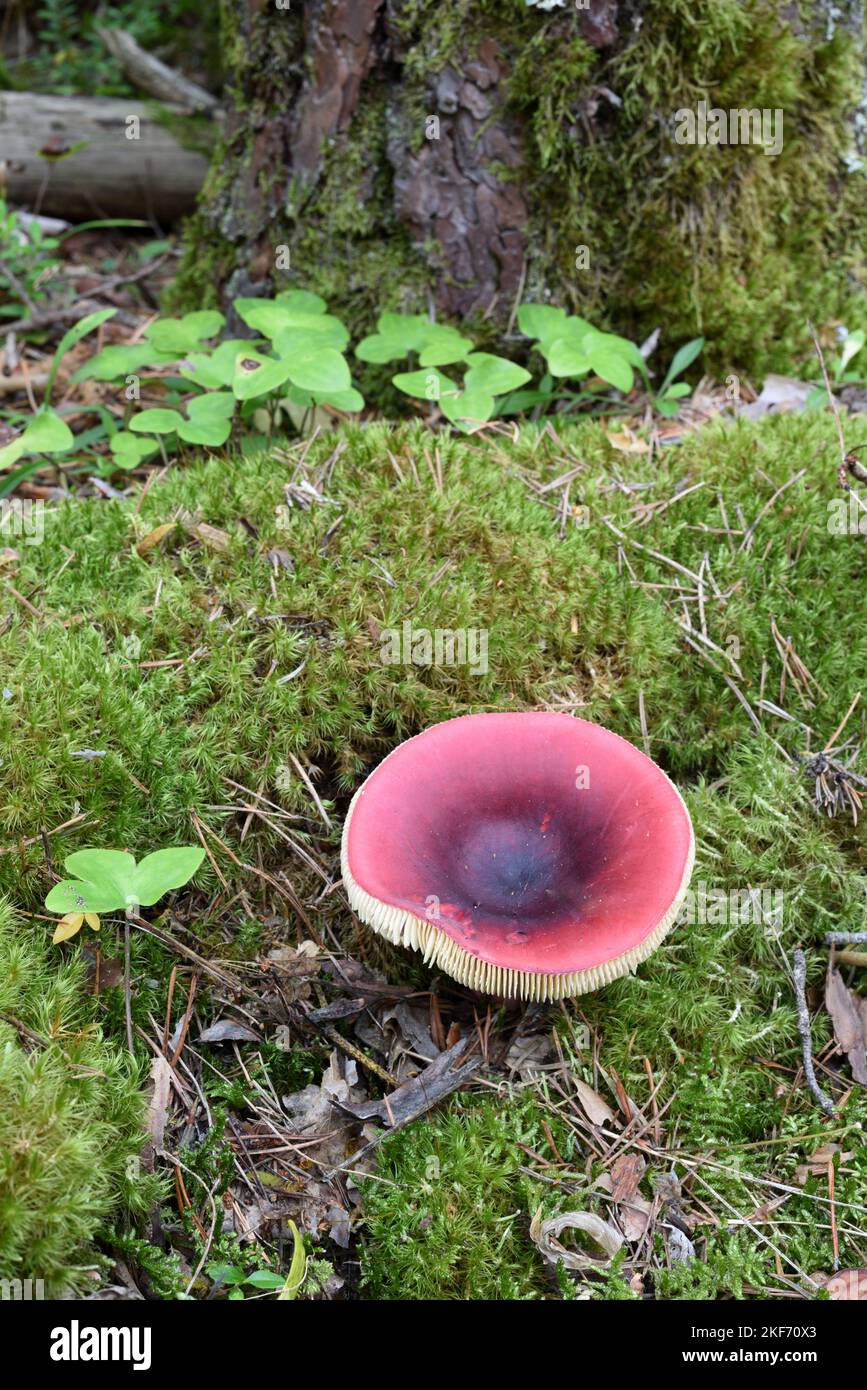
88,157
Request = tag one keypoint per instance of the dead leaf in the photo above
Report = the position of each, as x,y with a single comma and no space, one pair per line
626,1173
161,1080
817,1163
628,443
153,538
422,1092
544,1235
528,1055
634,1217
680,1247
595,1107
210,536
850,1023
847,1284
228,1030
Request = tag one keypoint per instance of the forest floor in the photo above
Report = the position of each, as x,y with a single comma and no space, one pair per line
201,662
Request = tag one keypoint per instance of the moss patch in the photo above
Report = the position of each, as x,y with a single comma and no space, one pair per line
189,664
71,1118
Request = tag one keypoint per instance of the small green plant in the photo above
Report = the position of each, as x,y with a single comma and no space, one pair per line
46,432
235,1279
666,400
837,369
28,264
296,365
467,405
108,880
572,347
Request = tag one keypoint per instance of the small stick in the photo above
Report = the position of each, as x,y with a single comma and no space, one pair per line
800,979
852,957
127,986
845,938
841,726
643,718
834,1236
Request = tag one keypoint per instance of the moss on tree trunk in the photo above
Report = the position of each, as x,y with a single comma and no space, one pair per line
406,153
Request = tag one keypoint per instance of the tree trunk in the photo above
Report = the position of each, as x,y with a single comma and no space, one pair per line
150,176
460,156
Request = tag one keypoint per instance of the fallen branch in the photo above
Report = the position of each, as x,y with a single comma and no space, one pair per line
155,77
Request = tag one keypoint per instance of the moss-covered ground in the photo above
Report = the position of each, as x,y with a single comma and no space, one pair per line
200,661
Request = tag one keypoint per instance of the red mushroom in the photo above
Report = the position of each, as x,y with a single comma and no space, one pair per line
528,855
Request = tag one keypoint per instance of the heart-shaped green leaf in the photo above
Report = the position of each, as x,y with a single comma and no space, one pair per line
614,368
164,870
156,421
304,301
542,321
566,357
443,346
120,360
209,432
496,375
217,368
469,408
275,317
214,405
320,370
129,450
397,336
45,433
184,335
256,375
349,400
80,895
431,385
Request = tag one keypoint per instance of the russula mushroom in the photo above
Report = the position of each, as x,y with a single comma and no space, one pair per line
529,855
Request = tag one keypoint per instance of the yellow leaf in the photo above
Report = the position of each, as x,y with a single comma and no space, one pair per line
153,538
628,443
68,926
297,1269
92,920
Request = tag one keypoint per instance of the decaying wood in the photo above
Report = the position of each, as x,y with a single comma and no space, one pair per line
153,76
111,175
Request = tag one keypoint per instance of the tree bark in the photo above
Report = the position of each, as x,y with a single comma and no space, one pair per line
456,156
153,176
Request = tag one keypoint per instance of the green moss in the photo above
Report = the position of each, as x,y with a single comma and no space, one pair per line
568,627
194,133
724,241
71,1118
455,1224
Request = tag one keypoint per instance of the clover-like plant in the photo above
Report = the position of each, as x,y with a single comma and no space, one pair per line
467,405
306,353
110,880
45,433
572,347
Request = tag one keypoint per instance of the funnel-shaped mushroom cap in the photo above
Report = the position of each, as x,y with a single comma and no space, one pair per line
531,855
